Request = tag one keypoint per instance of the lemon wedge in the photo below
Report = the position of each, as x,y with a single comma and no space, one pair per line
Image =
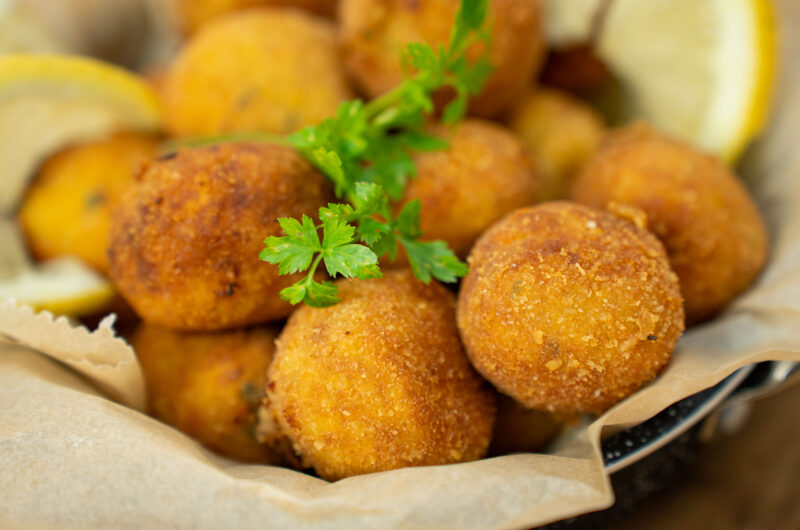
701,70
48,101
64,286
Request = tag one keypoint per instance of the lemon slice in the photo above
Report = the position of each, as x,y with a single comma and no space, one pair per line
64,286
47,101
701,70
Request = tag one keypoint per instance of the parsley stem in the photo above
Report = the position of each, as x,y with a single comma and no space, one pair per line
393,97
314,264
383,102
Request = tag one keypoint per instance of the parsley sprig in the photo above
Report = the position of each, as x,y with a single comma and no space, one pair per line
365,150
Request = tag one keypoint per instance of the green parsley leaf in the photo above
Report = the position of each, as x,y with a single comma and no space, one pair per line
321,294
407,221
422,141
422,57
369,199
352,261
343,211
343,257
294,251
433,258
294,294
336,233
469,18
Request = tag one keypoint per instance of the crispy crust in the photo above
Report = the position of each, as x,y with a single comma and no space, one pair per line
185,240
375,32
712,230
270,70
209,385
484,174
569,309
379,381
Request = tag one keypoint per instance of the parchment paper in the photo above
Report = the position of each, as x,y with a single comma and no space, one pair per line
70,457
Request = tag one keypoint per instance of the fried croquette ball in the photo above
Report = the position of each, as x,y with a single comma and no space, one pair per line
376,32
519,429
561,132
209,385
68,207
194,13
185,239
379,381
268,70
713,232
485,173
569,309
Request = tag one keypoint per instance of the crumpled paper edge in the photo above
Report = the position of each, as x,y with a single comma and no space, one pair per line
105,359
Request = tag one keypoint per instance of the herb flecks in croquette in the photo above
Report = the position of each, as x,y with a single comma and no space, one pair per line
365,150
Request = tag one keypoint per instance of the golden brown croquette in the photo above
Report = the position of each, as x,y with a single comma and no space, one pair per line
185,239
68,207
561,132
376,32
268,70
713,232
485,173
209,385
569,309
379,381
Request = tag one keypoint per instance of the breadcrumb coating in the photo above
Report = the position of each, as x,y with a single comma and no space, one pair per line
712,230
375,33
209,385
485,173
379,381
569,309
185,239
269,70
68,208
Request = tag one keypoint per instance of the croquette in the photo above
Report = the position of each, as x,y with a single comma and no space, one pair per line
185,239
194,13
569,309
561,132
712,230
379,381
485,173
68,207
267,70
210,386
376,32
